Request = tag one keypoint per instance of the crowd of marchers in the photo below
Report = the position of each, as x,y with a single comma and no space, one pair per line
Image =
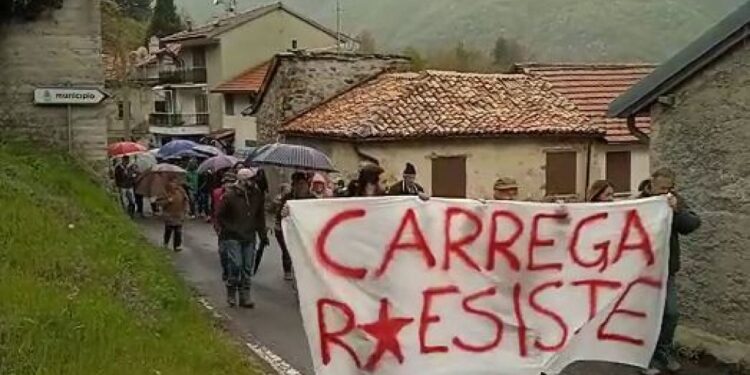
234,201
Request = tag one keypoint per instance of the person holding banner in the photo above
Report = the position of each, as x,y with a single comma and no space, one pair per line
368,182
505,189
601,191
241,217
300,190
684,222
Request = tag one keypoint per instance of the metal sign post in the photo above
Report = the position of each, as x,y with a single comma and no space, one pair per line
69,96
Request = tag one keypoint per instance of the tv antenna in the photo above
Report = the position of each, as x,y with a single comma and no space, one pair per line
229,5
338,25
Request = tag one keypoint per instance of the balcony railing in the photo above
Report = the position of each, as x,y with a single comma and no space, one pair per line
187,75
178,119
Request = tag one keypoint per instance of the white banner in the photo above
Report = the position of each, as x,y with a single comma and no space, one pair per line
402,286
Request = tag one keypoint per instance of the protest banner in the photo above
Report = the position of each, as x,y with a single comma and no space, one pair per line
403,286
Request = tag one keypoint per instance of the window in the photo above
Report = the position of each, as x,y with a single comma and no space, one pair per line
199,57
120,110
561,173
229,105
618,170
449,177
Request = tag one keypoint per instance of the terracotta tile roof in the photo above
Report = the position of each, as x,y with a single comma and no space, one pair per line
433,103
249,81
592,87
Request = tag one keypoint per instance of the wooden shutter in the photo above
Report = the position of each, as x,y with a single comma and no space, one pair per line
618,170
561,173
229,104
449,177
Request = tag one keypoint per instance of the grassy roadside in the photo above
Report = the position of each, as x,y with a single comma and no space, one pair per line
82,293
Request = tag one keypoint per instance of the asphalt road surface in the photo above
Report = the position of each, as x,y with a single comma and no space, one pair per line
275,321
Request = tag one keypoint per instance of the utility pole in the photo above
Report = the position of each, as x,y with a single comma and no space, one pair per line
338,25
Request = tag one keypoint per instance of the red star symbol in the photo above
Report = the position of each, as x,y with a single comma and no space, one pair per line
385,330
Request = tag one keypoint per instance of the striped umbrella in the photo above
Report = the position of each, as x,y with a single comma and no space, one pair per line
291,156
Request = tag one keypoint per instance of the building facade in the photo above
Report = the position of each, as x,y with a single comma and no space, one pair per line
216,53
462,131
698,102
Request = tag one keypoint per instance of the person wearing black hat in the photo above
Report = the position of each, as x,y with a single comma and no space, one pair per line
408,185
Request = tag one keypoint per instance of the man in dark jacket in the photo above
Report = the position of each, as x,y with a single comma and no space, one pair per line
684,221
408,185
241,216
126,175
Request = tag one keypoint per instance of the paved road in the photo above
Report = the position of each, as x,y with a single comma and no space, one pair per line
275,322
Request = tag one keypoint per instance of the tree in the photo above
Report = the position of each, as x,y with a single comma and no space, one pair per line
136,9
120,36
366,42
506,53
25,9
418,62
164,20
461,57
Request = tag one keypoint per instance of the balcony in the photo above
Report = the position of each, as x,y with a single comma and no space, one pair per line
186,75
178,119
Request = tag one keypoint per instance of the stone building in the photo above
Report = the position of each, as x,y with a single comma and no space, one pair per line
297,81
461,130
700,111
60,48
622,155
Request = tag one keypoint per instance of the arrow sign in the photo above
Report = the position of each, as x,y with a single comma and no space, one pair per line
69,96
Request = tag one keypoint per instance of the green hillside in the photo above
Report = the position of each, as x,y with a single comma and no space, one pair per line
553,30
82,293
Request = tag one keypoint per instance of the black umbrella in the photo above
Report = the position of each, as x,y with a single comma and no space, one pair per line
291,156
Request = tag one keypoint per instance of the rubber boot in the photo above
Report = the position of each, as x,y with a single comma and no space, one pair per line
231,296
245,300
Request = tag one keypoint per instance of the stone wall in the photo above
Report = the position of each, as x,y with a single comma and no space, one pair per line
62,47
304,80
705,138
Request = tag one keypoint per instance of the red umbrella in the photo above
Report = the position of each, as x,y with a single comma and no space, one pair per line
125,148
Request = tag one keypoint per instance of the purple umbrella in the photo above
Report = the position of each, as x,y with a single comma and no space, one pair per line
218,163
174,147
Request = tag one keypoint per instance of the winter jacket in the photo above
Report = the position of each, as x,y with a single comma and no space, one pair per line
684,222
175,206
125,176
400,188
241,213
280,202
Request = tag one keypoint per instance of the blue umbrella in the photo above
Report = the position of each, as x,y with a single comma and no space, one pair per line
185,154
174,147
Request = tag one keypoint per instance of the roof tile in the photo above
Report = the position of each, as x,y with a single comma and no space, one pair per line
438,103
592,87
248,81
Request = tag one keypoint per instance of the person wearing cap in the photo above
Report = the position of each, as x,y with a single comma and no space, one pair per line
505,189
241,217
408,185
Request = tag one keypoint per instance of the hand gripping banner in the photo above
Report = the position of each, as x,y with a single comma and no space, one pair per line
403,286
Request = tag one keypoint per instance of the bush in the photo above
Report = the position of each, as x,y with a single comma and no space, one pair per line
82,292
